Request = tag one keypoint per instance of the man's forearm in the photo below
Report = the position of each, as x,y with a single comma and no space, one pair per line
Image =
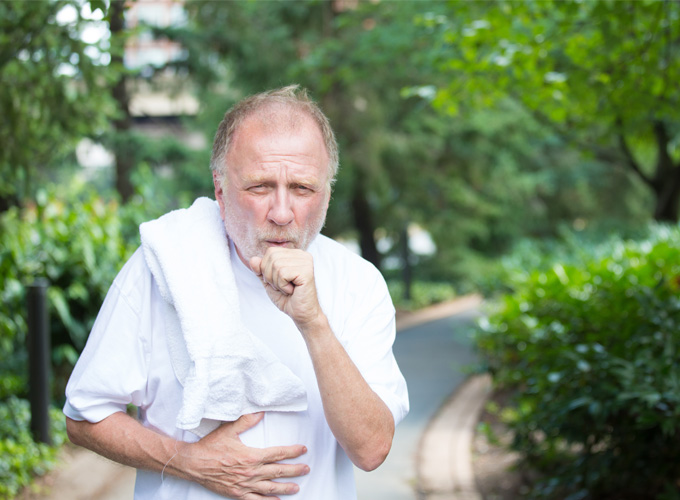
359,419
123,439
218,462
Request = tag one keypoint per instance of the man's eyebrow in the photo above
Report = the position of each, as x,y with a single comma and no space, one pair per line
299,181
255,179
306,181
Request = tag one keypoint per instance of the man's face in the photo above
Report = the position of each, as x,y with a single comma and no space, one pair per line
276,191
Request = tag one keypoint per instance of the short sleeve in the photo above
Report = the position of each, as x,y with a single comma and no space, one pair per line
112,369
369,335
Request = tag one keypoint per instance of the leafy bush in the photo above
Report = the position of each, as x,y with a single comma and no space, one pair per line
423,294
78,246
591,349
495,276
20,457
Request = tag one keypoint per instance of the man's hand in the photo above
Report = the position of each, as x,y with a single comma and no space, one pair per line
222,463
288,277
358,418
219,461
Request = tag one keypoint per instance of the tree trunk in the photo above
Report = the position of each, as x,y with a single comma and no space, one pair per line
363,222
122,124
667,201
666,182
406,271
8,201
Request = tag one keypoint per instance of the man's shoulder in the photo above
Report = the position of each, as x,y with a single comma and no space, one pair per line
332,249
135,276
331,255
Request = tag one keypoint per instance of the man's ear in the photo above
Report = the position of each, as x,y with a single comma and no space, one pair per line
219,193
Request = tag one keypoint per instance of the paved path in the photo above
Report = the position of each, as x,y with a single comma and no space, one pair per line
433,349
433,357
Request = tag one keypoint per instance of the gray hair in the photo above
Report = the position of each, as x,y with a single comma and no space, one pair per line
292,97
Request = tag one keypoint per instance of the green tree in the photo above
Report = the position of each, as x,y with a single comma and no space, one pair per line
476,181
599,74
123,149
52,92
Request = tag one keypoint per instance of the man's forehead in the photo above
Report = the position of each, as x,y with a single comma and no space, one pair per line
295,141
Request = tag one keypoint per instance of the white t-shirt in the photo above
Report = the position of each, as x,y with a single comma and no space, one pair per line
126,360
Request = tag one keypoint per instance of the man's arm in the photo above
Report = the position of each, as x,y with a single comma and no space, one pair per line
360,421
220,461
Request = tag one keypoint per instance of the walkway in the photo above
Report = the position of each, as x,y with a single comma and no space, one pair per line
433,356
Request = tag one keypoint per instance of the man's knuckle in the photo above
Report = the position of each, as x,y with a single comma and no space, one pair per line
246,472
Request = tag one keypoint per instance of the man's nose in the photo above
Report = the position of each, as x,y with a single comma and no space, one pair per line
281,208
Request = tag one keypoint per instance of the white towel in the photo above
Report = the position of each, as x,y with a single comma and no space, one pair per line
225,370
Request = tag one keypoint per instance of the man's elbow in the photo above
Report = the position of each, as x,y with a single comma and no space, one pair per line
74,431
374,456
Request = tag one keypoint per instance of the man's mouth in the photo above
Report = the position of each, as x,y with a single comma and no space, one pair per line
278,243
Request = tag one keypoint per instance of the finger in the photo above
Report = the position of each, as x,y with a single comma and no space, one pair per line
258,496
256,265
278,453
268,488
279,269
278,470
245,422
282,283
272,275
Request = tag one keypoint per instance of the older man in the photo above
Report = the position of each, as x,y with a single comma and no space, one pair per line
324,312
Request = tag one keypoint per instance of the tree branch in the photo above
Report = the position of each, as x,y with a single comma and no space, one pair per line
628,154
664,160
603,154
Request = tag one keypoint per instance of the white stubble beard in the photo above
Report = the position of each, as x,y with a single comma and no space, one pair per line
251,242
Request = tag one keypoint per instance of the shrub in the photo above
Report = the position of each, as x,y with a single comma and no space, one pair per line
20,457
423,294
591,349
78,246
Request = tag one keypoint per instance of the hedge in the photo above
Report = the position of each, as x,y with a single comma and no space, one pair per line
589,348
78,246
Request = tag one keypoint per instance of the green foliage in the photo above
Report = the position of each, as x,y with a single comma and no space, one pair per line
598,74
476,182
423,294
78,247
50,92
576,62
21,459
492,277
590,345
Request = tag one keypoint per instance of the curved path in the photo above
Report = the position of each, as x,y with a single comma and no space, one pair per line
434,355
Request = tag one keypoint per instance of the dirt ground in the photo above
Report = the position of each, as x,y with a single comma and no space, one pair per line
493,465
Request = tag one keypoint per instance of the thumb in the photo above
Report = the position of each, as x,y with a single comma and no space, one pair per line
256,265
245,422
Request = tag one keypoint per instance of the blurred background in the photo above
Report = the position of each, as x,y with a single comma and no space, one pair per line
528,151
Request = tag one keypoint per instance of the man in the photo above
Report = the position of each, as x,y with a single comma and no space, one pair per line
322,310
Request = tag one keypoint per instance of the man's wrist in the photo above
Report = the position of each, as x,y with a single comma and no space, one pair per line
316,328
180,464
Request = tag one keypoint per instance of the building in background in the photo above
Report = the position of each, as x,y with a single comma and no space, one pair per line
159,99
167,95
